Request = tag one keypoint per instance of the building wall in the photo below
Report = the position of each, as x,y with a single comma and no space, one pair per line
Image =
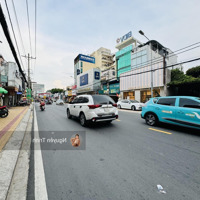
103,58
123,60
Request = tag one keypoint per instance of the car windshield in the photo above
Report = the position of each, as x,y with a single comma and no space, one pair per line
102,99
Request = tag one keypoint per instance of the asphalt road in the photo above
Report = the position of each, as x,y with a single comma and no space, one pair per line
123,160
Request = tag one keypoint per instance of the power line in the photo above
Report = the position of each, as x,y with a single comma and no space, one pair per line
13,33
183,62
7,34
159,60
29,26
24,52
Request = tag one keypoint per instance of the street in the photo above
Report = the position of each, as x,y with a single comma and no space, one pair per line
124,160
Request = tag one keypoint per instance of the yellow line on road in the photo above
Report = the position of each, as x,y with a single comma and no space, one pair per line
118,120
160,131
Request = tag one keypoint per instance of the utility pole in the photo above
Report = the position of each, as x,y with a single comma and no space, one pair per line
29,78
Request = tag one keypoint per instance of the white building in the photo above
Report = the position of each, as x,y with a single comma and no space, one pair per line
147,58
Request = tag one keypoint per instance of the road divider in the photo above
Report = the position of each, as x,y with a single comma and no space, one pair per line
157,130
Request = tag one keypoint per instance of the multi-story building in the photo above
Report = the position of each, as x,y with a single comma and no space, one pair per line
103,58
82,63
14,84
135,63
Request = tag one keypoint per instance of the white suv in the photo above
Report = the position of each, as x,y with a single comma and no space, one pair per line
94,108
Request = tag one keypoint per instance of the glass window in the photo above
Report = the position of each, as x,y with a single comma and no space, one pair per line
85,100
189,103
134,101
144,59
139,53
167,101
75,100
102,99
80,100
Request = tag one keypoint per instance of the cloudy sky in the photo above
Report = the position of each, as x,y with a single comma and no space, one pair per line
66,28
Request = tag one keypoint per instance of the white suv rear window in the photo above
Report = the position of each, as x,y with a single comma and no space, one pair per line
102,99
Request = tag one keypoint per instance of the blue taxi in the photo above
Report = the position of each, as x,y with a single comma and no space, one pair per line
178,110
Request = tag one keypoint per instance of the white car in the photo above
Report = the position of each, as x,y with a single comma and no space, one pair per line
93,108
130,104
59,102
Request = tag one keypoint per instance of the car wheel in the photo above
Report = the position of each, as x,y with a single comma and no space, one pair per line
133,108
119,106
68,114
151,119
82,118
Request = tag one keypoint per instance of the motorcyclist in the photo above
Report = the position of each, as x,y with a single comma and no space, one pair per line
42,103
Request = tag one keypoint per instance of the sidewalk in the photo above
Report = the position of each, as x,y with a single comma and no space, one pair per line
9,124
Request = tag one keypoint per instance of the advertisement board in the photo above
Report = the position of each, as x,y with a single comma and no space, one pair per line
86,58
97,75
84,79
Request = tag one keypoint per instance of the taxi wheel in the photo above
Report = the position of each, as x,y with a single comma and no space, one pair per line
151,119
119,106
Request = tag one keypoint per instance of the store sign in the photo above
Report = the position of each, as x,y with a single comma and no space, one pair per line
84,80
114,88
78,71
97,75
125,37
3,79
86,58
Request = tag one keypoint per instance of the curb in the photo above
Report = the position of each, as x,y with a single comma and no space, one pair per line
10,154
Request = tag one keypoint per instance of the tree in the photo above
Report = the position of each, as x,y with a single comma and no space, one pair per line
194,72
56,90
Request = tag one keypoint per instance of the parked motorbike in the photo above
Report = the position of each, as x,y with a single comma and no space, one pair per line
3,111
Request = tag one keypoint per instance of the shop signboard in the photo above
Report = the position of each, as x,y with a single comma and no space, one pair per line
125,37
84,79
97,75
86,58
28,93
114,88
3,79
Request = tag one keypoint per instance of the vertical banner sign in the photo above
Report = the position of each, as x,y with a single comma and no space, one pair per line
84,80
28,93
97,75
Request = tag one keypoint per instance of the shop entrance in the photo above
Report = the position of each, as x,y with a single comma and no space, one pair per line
146,94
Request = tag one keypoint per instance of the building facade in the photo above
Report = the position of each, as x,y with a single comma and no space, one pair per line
137,63
82,63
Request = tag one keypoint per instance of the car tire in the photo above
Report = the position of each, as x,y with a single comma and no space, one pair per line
68,114
83,121
119,106
151,119
133,108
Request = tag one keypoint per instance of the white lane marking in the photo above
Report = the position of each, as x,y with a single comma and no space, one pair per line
40,182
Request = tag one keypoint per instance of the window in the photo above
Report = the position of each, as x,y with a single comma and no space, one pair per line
189,103
167,101
125,101
102,99
85,100
75,100
134,101
80,100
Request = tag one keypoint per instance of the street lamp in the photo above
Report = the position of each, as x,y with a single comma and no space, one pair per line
142,33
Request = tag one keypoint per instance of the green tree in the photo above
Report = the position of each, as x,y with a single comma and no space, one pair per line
194,72
56,90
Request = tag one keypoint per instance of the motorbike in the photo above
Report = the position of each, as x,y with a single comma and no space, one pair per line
42,107
3,111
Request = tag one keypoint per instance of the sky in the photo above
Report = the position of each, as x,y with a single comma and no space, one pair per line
66,28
